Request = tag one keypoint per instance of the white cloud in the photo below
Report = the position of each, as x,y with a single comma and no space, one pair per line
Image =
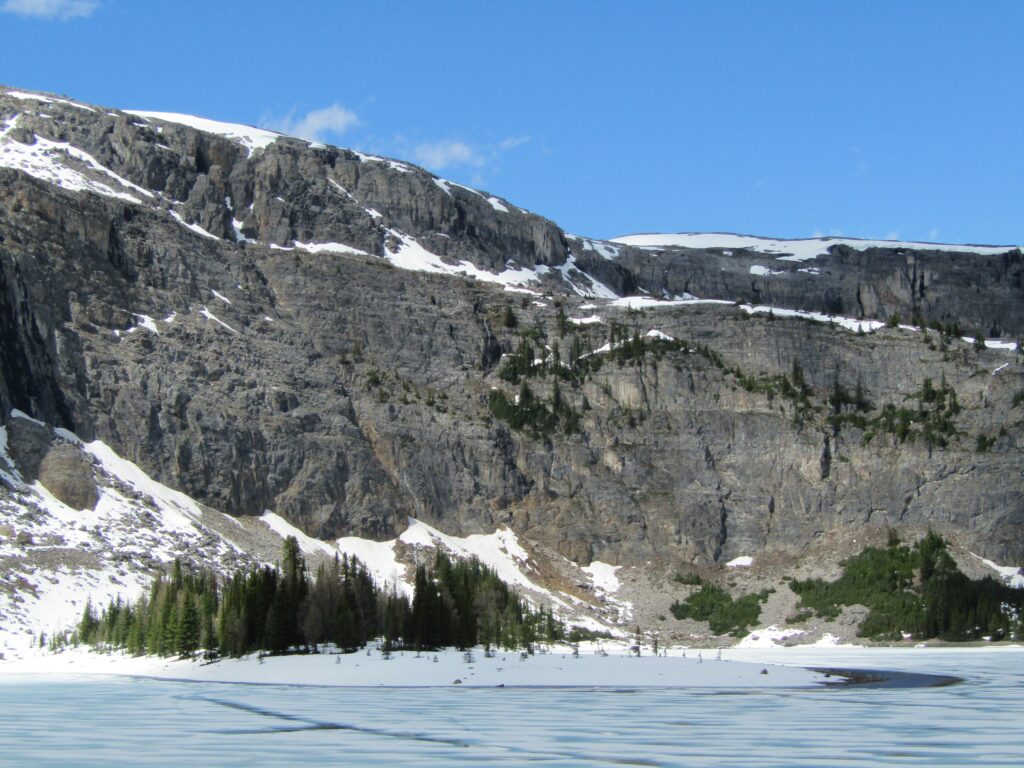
317,124
438,155
51,9
512,142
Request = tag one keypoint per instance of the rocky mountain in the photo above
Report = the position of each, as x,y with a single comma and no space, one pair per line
266,323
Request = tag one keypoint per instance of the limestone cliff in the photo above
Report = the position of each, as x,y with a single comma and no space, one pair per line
267,323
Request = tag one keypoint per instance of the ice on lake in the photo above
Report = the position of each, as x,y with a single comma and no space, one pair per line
125,721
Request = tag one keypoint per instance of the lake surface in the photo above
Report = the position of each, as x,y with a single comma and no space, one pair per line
123,721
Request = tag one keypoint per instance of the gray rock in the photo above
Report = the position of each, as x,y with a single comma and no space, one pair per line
347,395
67,473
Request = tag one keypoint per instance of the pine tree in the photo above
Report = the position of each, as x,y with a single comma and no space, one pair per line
187,625
89,624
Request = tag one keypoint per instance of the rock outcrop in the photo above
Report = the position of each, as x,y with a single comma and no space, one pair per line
242,321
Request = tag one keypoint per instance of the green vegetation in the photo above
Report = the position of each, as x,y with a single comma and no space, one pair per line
791,387
983,442
931,419
842,402
717,607
540,417
927,415
691,579
531,414
947,330
284,610
509,320
916,590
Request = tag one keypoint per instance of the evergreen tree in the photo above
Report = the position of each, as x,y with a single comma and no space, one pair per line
187,625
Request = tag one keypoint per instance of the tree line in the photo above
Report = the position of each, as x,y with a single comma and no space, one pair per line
917,590
284,609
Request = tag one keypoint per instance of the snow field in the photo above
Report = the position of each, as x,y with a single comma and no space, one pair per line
49,161
412,256
787,250
249,137
97,554
608,665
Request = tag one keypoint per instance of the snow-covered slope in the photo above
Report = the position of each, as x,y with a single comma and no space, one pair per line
391,564
54,558
787,250
250,137
64,165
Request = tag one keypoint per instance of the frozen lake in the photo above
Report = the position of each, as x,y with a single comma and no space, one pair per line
123,721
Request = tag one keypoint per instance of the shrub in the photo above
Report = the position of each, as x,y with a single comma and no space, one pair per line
717,607
917,590
510,320
691,579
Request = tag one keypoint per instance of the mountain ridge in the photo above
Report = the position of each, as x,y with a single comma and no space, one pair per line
242,323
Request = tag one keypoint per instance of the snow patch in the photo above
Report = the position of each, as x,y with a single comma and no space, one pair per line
47,161
194,227
644,302
527,291
284,529
499,550
344,191
15,413
849,323
1011,574
210,316
24,95
379,559
236,225
581,283
602,576
789,250
147,322
249,137
604,249
743,561
1001,344
760,271
393,164
412,256
655,334
329,248
768,637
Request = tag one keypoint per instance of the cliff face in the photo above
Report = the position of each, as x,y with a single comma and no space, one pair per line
269,324
979,291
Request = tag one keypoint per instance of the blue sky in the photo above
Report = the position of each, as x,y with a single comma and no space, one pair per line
790,119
